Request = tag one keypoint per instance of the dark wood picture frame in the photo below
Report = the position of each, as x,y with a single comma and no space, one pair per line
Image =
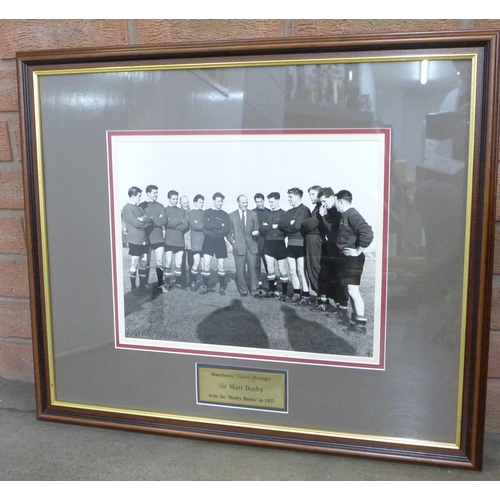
42,233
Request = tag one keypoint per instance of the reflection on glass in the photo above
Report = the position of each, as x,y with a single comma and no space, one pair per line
332,95
427,105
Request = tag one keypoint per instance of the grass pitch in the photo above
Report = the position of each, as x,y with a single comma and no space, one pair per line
231,320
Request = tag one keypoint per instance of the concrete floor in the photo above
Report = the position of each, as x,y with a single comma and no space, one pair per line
43,451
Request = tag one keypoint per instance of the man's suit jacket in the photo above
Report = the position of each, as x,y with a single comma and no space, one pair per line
241,237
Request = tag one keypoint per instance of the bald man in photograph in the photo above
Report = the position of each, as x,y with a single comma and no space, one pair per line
243,237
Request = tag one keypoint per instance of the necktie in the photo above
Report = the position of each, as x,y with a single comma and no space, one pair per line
243,218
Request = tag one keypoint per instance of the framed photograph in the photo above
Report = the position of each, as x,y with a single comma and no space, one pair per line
246,327
225,236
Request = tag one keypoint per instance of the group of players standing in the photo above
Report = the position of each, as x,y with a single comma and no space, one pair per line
320,251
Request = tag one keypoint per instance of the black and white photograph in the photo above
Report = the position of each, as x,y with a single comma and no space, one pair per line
262,244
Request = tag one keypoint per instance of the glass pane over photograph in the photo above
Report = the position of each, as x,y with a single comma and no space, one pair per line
428,107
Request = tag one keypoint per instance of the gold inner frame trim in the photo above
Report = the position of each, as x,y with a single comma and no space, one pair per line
247,64
468,223
250,425
44,236
255,63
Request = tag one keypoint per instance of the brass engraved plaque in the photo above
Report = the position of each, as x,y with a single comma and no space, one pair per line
242,387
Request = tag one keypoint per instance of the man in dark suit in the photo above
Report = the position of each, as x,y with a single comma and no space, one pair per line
243,237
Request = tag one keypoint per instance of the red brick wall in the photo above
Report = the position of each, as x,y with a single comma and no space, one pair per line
15,35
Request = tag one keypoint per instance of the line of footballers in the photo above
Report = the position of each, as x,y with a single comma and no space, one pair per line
321,252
